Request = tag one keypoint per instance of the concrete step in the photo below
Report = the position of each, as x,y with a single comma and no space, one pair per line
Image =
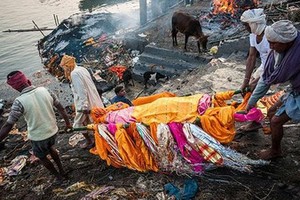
168,62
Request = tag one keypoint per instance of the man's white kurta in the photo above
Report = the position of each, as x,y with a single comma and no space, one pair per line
85,94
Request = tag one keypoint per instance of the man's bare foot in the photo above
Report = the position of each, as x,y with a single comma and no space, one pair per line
267,130
253,126
269,154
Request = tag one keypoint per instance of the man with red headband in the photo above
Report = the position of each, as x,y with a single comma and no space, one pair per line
36,105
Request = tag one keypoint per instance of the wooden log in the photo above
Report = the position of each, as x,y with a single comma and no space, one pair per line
57,20
293,14
28,30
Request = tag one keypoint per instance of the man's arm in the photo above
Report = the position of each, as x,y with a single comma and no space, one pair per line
250,65
64,114
260,90
60,109
5,130
15,113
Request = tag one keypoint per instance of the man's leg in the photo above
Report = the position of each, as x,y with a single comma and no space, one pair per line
276,125
89,142
48,164
56,159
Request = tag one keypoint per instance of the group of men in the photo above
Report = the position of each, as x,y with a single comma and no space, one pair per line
37,104
277,44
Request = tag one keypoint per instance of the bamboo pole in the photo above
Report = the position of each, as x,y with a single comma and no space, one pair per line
38,28
143,12
54,16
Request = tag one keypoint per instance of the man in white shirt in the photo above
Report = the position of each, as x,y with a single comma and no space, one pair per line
254,21
85,94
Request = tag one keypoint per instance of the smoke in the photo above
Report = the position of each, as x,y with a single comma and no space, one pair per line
159,7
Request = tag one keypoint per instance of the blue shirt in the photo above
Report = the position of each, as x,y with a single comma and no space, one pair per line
121,99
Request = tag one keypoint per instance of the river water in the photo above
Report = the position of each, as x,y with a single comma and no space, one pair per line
18,50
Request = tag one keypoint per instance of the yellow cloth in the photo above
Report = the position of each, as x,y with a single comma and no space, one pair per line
220,98
165,110
148,99
68,64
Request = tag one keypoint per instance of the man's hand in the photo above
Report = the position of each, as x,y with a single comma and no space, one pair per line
86,112
68,128
244,86
248,108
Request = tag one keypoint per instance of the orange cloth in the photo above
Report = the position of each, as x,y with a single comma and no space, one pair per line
119,70
151,98
127,149
144,156
243,105
68,64
269,101
103,149
219,123
153,132
165,110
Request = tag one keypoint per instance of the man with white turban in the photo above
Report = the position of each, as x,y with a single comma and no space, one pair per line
255,22
282,65
85,94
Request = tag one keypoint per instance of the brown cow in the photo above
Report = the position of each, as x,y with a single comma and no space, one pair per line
189,26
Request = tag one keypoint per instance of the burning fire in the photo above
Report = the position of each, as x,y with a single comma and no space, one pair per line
224,6
231,6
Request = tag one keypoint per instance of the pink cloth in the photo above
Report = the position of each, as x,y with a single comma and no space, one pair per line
204,103
254,114
189,154
112,128
18,80
120,116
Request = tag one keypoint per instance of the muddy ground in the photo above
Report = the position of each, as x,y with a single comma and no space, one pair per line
279,180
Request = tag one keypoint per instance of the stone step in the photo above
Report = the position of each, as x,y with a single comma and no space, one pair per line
185,56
